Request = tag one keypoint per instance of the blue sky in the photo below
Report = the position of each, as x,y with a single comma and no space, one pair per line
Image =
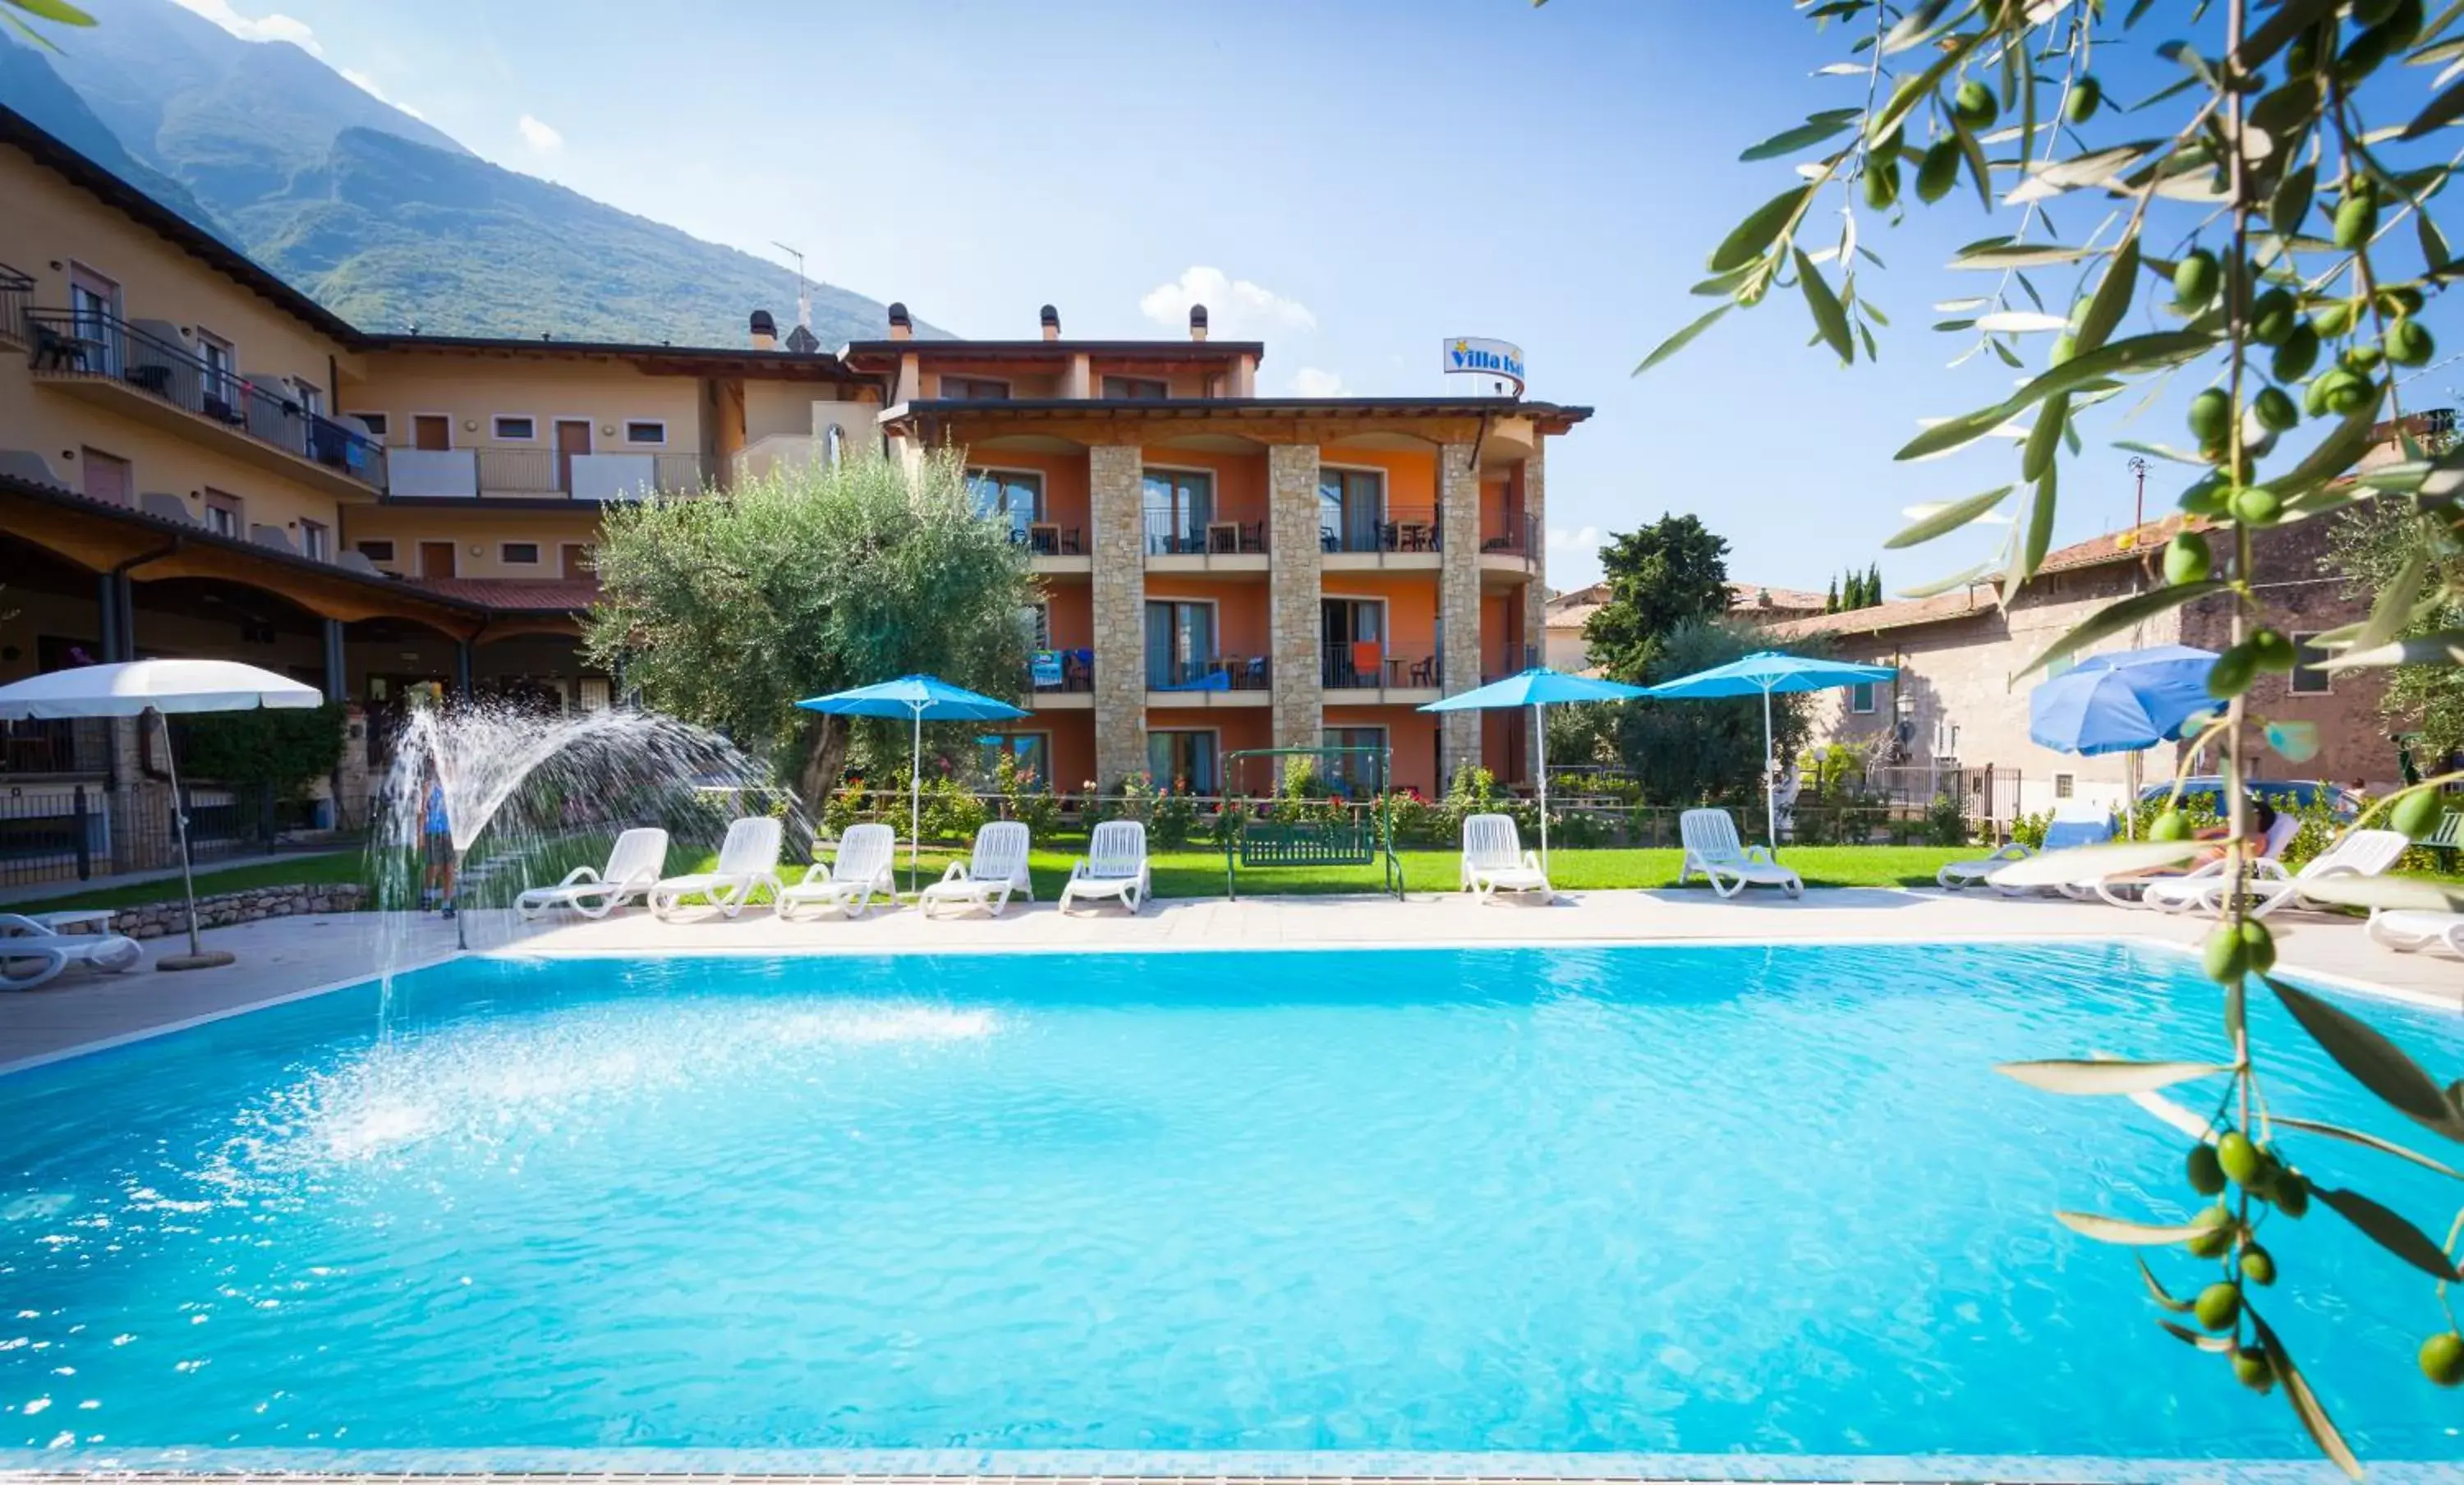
1350,183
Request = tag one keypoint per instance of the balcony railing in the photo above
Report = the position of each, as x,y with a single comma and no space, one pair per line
1171,536
1367,666
1519,536
1397,528
1062,670
1223,673
547,474
102,347
16,297
1505,661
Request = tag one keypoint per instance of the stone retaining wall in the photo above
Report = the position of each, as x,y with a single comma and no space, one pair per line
154,919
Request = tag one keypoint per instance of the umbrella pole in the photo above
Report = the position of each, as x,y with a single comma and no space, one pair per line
1540,725
916,800
1771,778
196,958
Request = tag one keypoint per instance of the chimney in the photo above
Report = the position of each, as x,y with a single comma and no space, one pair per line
1198,321
1051,321
901,327
765,330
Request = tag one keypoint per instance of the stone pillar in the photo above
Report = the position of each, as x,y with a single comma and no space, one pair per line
338,681
1292,593
1114,499
351,774
143,832
1535,589
1459,598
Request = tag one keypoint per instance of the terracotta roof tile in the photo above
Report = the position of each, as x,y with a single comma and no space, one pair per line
1978,597
516,595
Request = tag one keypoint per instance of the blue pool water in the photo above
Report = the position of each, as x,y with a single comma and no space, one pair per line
1713,1202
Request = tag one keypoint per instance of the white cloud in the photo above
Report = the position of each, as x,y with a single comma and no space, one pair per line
1318,382
368,86
539,136
272,27
1584,541
1235,307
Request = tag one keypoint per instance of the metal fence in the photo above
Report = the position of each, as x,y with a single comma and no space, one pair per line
69,832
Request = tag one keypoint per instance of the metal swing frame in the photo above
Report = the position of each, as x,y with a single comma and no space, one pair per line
1264,845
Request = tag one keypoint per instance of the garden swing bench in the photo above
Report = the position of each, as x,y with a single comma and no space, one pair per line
1361,838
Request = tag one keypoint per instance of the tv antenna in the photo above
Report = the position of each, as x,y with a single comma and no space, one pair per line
804,286
2139,503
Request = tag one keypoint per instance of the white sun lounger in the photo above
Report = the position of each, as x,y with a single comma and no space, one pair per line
633,866
1494,860
23,941
1115,867
747,859
2408,929
1712,848
2362,853
2181,891
2074,823
864,866
998,870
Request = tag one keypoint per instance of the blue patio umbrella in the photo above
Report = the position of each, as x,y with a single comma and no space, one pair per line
1537,688
1762,673
921,698
2122,702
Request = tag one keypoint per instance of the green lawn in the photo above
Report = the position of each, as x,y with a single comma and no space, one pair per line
301,870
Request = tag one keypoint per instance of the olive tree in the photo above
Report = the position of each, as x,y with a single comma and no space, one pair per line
2258,229
729,607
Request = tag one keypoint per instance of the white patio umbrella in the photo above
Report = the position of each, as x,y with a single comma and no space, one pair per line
132,689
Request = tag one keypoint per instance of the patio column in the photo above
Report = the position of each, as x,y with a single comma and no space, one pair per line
462,669
338,683
1535,587
1458,600
1115,476
1292,579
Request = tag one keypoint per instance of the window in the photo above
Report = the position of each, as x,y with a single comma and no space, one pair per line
1183,761
377,551
315,541
2065,785
1136,389
1860,698
646,431
2308,678
515,429
106,478
1037,617
312,400
1180,645
1178,505
518,554
373,422
1355,774
1350,506
1030,753
222,366
973,388
1012,495
225,514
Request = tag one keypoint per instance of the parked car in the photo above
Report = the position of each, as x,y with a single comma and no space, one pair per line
2282,793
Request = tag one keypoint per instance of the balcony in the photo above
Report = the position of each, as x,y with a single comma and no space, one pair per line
154,379
1053,549
1514,545
1222,681
1396,536
1061,680
1368,672
16,297
532,474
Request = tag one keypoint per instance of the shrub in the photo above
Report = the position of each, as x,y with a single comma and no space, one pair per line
1136,800
1415,821
283,749
1175,819
1024,799
952,811
1946,821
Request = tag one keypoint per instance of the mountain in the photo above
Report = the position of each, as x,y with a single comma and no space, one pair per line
383,218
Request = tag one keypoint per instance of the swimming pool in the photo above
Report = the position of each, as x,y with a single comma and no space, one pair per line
1677,1208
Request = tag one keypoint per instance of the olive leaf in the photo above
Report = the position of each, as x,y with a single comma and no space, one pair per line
2443,648
2129,1235
2389,1231
1680,340
2305,1403
1948,519
2443,110
2148,1275
2291,204
2044,439
1941,586
2112,298
1955,432
2021,254
2115,617
2096,1078
2393,610
1753,236
1817,128
2375,1062
2092,863
2335,453
2219,1344
2029,547
2366,1140
2393,894
1829,317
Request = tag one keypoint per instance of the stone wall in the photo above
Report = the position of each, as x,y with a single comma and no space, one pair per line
1535,593
1115,500
1459,599
155,920
1293,592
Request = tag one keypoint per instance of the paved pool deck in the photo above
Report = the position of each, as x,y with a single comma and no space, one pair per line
281,959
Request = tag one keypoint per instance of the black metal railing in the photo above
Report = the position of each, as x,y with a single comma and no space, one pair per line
546,473
1063,670
71,832
1221,673
81,342
16,297
58,745
1519,536
1397,529
1048,539
1167,535
1353,668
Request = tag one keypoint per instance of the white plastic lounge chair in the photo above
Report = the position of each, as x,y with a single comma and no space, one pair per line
999,869
1494,860
863,866
747,859
23,941
633,866
2073,823
1115,867
2179,891
1712,848
2362,853
2407,929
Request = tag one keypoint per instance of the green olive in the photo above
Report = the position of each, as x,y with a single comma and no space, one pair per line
2187,559
2256,505
2218,1305
2275,410
2211,415
2195,280
1974,105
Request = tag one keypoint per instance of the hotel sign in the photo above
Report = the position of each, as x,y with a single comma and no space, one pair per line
1469,355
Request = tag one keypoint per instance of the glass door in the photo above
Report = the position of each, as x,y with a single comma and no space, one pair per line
1181,644
1179,503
